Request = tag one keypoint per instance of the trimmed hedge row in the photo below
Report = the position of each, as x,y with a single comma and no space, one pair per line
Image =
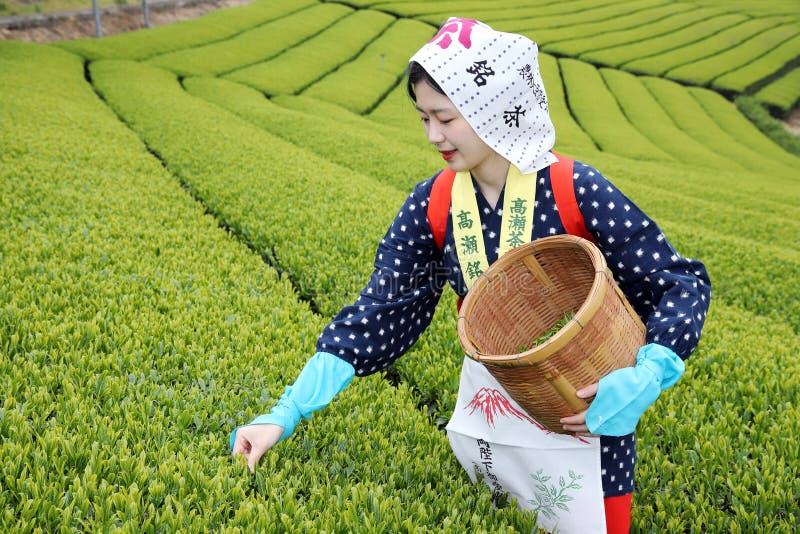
376,70
735,456
598,39
573,13
597,111
712,46
574,8
651,46
781,93
136,334
299,67
727,187
414,8
762,67
356,151
215,26
692,119
647,116
570,137
748,7
252,46
753,110
764,37
239,170
408,130
725,434
735,124
396,111
574,39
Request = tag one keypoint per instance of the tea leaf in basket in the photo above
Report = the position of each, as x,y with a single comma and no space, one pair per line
549,332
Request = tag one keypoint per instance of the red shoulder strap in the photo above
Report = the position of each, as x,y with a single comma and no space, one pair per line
564,194
439,205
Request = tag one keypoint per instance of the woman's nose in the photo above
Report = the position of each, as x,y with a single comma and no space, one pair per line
434,133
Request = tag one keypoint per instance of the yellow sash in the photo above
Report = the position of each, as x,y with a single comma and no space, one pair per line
518,199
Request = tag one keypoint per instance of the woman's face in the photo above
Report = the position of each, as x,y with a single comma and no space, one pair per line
450,132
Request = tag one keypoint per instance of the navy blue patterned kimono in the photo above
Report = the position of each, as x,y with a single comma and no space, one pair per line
669,292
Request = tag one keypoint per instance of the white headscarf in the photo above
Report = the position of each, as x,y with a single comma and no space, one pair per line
493,79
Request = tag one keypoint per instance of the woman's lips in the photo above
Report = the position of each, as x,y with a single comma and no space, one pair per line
447,154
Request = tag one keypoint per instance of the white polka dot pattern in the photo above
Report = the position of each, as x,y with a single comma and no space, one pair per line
671,293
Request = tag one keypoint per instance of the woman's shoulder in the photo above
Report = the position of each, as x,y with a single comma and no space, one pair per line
582,170
587,177
422,190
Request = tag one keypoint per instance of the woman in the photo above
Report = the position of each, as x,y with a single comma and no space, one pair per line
482,102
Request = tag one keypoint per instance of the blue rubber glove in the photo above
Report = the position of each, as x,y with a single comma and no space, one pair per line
322,378
623,395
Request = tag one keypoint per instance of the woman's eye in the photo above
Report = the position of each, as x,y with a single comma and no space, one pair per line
448,121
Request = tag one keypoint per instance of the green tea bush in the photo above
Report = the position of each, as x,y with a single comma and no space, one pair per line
572,13
407,128
762,67
768,34
415,8
711,46
570,137
135,332
724,435
252,46
557,11
396,111
676,17
692,118
781,93
215,26
727,117
574,40
727,187
128,315
359,150
646,115
691,32
599,115
251,179
374,73
755,9
754,111
306,63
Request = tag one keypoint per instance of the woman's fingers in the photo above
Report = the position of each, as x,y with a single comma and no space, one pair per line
588,392
240,445
254,440
577,423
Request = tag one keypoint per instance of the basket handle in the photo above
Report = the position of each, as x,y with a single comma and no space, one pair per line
536,270
563,387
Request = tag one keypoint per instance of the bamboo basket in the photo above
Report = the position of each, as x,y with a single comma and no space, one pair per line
523,295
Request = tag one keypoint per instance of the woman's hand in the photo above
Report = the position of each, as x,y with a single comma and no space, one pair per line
577,423
253,441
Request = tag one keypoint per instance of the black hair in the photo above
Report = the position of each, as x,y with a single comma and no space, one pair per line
416,74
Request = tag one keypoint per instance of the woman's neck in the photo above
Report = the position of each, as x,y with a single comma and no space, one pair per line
491,178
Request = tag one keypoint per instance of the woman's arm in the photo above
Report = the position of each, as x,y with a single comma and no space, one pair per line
669,292
391,313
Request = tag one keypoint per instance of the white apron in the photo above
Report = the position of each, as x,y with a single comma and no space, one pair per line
555,476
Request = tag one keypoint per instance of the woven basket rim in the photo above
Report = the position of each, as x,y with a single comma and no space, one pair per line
566,334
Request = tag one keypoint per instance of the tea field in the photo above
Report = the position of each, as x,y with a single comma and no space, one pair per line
184,208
